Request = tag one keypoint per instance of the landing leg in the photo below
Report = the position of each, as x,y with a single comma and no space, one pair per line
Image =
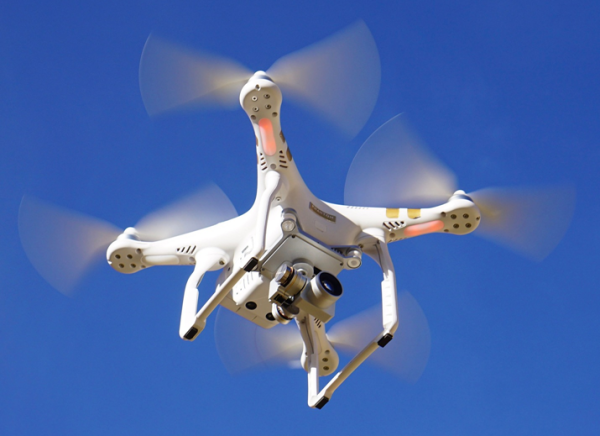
272,185
389,322
206,260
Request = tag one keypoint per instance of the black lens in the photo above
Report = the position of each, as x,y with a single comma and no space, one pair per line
330,283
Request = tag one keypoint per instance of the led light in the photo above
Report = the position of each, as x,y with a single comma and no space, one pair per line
288,222
354,263
266,134
423,229
288,225
354,260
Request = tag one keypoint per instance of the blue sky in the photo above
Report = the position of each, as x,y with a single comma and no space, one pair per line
505,93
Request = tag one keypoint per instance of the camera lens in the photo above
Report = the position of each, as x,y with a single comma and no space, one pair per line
330,284
324,290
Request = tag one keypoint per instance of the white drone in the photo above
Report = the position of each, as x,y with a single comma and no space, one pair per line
279,261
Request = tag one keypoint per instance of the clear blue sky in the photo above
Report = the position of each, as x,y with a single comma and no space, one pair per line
504,92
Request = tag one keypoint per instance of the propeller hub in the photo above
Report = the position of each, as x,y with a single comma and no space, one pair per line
460,194
261,75
129,233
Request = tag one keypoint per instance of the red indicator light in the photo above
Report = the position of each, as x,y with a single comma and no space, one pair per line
266,134
423,229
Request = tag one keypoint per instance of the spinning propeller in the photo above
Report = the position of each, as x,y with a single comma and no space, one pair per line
393,168
243,346
338,76
63,245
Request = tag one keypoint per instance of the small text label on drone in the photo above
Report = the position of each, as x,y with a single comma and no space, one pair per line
322,214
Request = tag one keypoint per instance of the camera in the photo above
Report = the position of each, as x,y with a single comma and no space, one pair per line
292,290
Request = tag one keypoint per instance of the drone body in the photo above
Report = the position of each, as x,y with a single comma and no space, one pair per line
279,261
289,231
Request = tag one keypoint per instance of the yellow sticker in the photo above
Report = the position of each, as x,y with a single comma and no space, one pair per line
414,213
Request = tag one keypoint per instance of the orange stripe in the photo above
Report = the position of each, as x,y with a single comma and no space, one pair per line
422,229
266,134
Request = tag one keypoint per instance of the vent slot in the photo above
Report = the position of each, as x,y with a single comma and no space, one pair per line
262,162
282,160
393,225
190,249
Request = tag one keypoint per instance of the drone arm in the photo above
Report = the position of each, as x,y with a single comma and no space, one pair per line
206,260
458,216
389,321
